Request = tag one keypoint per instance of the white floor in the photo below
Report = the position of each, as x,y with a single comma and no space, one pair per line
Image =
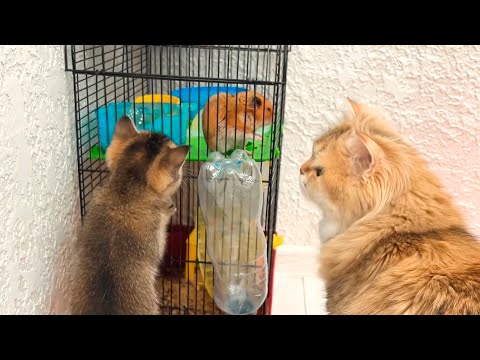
297,288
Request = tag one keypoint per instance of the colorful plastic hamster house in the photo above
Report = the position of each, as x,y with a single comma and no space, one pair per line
164,89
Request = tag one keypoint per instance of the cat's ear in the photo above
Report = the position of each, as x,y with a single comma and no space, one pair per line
176,157
125,129
364,152
356,107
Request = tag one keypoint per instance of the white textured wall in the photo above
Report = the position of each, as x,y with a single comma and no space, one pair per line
431,92
38,178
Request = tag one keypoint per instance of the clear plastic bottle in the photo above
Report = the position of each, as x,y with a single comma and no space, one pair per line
230,194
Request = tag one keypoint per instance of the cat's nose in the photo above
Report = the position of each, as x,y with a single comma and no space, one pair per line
303,169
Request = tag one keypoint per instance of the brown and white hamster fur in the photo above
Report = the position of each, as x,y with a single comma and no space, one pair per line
229,121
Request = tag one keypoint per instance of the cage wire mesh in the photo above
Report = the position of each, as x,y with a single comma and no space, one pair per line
166,88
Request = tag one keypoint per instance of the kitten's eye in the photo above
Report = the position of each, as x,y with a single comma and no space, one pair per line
319,171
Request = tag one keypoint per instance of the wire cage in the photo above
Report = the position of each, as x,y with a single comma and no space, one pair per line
168,88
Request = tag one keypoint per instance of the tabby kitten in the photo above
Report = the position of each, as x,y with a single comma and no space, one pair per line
394,241
122,241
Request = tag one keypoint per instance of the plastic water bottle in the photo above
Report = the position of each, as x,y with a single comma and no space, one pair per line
230,194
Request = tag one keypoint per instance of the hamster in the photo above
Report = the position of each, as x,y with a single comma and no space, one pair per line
229,121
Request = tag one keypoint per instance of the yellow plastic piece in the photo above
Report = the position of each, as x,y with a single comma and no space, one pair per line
197,251
192,257
277,241
157,98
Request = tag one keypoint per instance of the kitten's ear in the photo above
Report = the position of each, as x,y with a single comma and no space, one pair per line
356,107
176,157
125,129
364,152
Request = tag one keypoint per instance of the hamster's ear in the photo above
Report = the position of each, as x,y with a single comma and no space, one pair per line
257,102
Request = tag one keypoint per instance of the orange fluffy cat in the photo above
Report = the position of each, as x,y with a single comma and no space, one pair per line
229,121
394,242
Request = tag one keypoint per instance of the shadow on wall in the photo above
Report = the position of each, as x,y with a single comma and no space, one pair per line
63,266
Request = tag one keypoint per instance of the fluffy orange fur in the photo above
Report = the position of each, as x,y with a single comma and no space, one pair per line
229,121
394,242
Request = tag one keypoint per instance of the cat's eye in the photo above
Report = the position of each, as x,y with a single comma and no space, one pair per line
319,171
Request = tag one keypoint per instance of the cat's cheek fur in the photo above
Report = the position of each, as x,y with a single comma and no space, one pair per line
327,229
303,185
312,194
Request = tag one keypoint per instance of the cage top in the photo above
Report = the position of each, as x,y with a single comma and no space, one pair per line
237,47
138,59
